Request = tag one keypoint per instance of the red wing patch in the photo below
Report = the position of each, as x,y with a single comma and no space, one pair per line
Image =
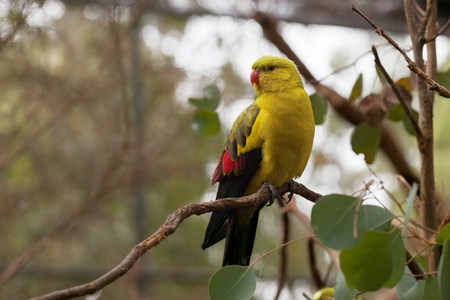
227,166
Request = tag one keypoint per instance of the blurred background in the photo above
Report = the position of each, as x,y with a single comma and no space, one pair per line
98,144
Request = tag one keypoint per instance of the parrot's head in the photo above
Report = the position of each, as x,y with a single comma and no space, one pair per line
274,74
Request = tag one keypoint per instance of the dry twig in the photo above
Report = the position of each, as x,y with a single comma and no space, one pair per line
432,85
397,93
282,270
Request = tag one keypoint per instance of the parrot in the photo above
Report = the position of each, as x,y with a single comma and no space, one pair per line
270,142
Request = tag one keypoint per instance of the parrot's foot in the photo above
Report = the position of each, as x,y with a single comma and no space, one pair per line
273,190
291,188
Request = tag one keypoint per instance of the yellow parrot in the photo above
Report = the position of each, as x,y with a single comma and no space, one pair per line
270,142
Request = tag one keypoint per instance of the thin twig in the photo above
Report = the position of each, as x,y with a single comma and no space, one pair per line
440,32
312,262
397,93
432,85
306,296
282,270
171,224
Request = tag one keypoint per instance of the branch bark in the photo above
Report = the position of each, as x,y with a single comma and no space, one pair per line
425,142
173,221
417,66
283,253
397,93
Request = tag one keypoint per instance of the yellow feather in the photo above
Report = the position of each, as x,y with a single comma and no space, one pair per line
284,126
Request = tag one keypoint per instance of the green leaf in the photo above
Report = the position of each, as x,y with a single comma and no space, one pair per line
319,107
204,103
397,113
406,283
408,125
206,123
444,271
398,254
380,75
232,283
211,92
444,234
341,290
368,265
210,100
416,292
377,218
424,290
366,140
443,78
332,219
357,88
409,206
432,288
422,260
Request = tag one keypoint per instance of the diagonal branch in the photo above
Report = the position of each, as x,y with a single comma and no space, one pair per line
432,85
173,221
440,32
397,93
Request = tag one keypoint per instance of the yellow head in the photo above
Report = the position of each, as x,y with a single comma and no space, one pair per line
274,74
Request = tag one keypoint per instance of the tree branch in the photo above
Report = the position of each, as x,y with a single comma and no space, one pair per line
440,32
283,254
432,85
397,93
171,224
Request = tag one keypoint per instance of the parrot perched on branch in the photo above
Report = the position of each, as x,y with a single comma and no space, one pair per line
270,142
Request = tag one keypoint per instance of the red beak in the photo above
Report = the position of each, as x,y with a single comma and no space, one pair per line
254,77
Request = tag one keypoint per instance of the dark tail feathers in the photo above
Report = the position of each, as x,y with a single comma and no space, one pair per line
240,240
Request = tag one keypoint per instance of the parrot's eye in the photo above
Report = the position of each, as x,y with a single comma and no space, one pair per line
271,68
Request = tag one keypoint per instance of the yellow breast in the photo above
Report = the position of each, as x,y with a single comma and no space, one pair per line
285,124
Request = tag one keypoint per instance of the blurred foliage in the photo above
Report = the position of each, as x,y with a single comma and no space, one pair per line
67,142
320,107
206,121
70,153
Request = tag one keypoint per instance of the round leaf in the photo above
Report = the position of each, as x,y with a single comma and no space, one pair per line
406,283
424,290
210,100
319,107
444,234
205,103
444,271
432,288
341,290
398,254
377,218
212,92
333,221
365,140
206,122
232,283
368,265
416,292
397,113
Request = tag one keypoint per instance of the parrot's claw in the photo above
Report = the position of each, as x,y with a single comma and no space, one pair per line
291,188
273,190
